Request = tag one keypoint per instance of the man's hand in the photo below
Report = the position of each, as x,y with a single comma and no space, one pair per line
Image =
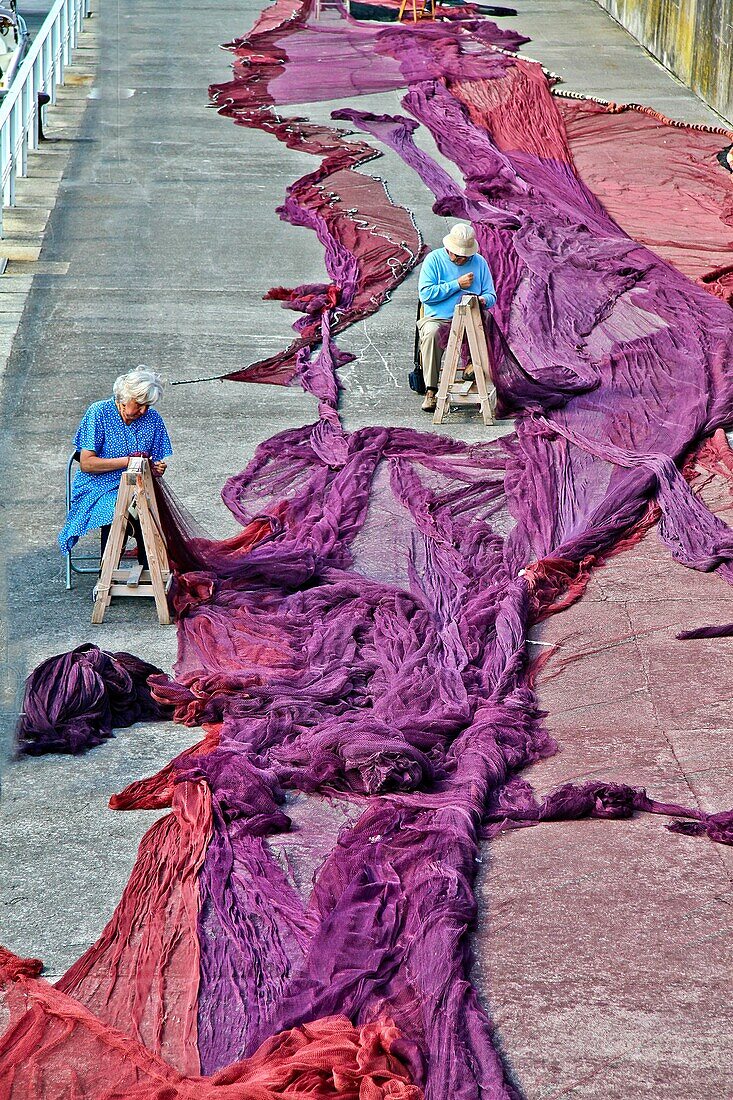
465,281
158,468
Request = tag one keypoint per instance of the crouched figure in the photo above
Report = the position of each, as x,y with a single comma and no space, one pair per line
447,274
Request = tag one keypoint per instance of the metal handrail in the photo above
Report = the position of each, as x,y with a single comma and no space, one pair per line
42,71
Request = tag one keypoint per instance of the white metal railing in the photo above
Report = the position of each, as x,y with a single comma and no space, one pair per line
42,70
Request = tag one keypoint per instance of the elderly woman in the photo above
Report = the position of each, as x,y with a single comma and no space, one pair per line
110,433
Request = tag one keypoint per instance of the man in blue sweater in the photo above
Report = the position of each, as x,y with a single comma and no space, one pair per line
447,274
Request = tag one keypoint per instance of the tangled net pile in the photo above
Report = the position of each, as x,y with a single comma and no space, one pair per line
364,637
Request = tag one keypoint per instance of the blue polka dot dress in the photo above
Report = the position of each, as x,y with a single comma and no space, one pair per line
93,496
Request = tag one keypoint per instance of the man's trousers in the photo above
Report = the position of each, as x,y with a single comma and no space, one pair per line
431,353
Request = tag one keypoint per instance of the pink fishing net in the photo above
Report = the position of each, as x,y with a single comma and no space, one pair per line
667,185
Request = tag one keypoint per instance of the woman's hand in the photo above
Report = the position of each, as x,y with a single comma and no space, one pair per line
159,468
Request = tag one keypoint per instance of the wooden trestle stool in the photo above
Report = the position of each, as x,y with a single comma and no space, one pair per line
136,487
480,390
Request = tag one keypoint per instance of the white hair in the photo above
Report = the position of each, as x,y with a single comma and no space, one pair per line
141,384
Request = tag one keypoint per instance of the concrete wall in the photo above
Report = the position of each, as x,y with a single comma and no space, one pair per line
692,38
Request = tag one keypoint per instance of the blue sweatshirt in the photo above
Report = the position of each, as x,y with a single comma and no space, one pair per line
438,287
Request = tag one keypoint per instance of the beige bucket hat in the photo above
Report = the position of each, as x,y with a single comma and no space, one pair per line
461,240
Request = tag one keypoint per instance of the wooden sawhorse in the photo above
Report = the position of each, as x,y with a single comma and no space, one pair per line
329,5
421,9
480,391
136,487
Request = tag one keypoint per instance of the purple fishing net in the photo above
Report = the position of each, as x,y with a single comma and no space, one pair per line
73,701
402,672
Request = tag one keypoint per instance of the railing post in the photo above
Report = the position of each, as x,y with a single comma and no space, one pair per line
69,29
24,121
9,199
56,66
5,158
64,24
43,60
35,83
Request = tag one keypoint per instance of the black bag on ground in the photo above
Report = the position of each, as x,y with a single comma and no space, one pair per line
416,377
416,380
